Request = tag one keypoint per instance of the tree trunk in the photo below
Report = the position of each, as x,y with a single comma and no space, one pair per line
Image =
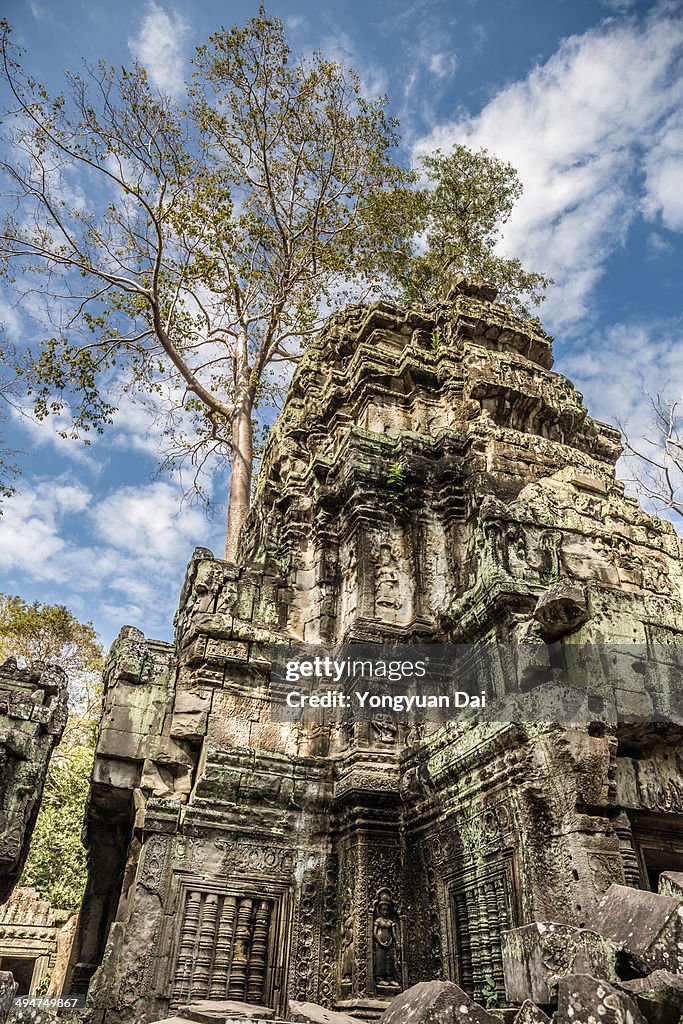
242,450
240,479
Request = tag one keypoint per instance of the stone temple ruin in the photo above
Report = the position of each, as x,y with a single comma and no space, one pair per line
430,480
33,711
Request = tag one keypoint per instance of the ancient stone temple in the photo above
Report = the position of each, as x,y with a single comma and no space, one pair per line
33,710
430,480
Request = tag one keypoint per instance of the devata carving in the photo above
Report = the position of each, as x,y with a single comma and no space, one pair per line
386,940
387,593
237,857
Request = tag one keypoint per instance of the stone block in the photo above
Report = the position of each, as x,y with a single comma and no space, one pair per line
671,884
659,996
312,1013
435,1002
529,1013
648,926
218,1011
583,999
561,610
537,955
192,701
189,726
172,1020
8,988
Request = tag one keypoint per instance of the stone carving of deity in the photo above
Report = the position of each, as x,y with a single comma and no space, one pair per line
346,949
349,583
387,594
386,945
384,730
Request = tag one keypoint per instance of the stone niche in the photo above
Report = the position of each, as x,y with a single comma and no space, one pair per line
447,493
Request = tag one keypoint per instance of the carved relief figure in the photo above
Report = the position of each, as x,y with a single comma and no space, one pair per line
517,552
346,949
386,945
387,593
384,730
349,584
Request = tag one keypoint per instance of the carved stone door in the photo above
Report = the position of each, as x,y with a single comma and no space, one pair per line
481,908
230,945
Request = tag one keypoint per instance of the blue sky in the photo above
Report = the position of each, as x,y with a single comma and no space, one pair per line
584,98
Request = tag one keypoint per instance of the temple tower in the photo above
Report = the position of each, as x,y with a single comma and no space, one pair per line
429,480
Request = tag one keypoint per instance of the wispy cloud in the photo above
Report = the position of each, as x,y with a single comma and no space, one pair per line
596,137
339,46
443,65
160,47
46,434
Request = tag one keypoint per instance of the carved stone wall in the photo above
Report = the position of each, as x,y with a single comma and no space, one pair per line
430,479
32,718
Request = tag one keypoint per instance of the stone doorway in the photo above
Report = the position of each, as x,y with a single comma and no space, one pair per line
23,970
658,842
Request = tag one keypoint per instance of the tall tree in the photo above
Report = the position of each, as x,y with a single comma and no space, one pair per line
458,219
197,247
214,238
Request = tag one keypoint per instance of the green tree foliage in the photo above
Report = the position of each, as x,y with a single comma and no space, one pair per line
56,863
50,633
457,219
31,632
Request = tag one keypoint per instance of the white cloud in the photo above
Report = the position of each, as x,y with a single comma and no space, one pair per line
374,80
144,521
30,535
639,356
39,12
129,547
658,245
159,46
10,321
664,182
580,129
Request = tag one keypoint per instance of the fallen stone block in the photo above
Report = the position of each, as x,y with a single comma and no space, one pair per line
312,1013
436,1002
172,1020
646,925
529,1013
218,1011
671,884
582,999
537,955
659,996
8,989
